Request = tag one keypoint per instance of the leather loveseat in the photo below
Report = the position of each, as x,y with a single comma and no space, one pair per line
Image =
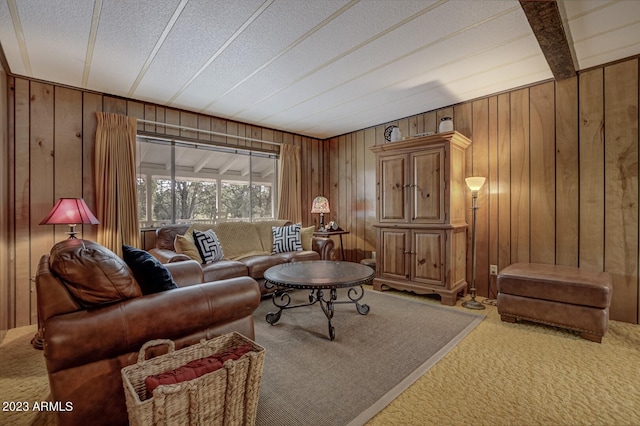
247,248
94,320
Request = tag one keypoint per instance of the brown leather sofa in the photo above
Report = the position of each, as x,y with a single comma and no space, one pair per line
253,266
88,339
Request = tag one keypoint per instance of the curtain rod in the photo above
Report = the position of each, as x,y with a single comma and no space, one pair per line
210,132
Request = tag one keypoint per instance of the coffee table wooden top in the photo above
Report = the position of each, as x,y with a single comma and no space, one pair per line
316,274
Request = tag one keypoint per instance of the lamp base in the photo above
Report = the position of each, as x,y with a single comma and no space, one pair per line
473,304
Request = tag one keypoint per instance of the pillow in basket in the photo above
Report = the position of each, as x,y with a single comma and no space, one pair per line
194,369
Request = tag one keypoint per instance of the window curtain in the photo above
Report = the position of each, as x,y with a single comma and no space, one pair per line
289,184
115,179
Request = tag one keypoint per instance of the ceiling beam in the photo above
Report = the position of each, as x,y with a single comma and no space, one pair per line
546,23
203,162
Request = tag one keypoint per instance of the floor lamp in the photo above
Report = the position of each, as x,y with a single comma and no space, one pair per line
474,184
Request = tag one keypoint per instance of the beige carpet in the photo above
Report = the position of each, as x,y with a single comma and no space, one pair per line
500,374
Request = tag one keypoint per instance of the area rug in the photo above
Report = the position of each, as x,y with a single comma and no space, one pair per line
311,380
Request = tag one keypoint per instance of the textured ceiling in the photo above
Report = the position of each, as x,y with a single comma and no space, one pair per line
314,67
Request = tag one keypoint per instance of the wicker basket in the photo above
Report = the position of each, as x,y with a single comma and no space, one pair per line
228,396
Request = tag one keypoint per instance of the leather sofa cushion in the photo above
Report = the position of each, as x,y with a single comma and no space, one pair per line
298,256
93,274
258,264
223,269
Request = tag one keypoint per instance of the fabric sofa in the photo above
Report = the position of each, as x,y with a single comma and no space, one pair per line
94,320
248,248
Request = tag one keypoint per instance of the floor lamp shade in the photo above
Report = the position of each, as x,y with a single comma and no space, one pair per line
475,182
70,211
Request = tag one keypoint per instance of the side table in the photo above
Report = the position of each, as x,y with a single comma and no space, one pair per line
339,233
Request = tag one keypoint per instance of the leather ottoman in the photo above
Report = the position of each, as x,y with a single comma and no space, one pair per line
560,296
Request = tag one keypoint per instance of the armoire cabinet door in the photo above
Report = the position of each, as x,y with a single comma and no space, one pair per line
395,251
427,186
392,196
428,256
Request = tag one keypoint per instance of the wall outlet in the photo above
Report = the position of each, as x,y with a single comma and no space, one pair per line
493,269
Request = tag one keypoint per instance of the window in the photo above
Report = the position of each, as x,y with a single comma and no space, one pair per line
181,182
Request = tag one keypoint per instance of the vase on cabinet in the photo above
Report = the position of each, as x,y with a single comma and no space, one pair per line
446,125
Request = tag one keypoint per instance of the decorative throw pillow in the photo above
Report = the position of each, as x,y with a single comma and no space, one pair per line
152,276
183,245
92,273
208,245
306,236
286,238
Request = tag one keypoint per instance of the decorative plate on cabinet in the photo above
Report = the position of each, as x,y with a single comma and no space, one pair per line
387,132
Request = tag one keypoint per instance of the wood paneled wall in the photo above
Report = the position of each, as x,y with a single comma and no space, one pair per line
4,211
561,161
51,135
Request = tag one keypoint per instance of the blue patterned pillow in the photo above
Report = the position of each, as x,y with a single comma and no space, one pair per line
286,238
208,245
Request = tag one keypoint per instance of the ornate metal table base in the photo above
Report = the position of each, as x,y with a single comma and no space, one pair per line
282,300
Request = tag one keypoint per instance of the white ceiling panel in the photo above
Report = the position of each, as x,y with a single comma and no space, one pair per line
50,24
611,33
449,59
277,27
315,67
358,26
11,40
194,40
393,47
127,34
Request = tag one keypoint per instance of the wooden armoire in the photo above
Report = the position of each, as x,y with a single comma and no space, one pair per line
421,226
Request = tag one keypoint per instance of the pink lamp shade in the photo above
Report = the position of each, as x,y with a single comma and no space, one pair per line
70,211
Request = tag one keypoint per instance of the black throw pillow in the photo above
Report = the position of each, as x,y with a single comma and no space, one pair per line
152,276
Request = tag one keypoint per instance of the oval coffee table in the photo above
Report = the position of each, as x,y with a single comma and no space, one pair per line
318,276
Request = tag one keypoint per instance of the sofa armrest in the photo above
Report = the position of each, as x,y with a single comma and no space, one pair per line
186,273
84,337
323,246
168,256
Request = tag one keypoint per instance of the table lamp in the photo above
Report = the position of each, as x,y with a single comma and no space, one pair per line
70,211
320,205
